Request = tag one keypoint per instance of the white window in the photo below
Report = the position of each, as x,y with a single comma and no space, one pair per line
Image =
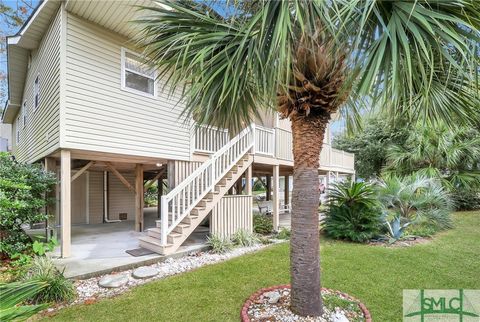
36,92
136,75
24,113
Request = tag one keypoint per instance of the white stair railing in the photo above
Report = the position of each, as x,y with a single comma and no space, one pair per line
178,203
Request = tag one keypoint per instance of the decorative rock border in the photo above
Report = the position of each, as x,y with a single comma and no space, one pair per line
244,312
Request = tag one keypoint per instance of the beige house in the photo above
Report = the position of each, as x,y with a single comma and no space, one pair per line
82,104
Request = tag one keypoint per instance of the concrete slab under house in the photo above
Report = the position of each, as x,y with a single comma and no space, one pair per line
84,104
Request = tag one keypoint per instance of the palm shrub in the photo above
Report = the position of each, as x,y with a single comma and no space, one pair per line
59,289
12,295
450,155
413,200
353,212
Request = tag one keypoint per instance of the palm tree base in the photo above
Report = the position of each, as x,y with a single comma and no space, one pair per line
264,295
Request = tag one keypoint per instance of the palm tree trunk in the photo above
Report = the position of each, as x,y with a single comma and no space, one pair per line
308,135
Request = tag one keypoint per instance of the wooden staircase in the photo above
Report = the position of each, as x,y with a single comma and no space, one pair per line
188,204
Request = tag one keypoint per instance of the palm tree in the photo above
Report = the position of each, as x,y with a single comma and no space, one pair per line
451,156
306,58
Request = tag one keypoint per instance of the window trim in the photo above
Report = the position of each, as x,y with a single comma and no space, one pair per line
123,69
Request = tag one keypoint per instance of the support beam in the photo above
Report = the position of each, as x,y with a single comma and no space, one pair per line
139,197
65,197
269,187
156,178
82,170
286,192
248,181
51,166
275,197
121,178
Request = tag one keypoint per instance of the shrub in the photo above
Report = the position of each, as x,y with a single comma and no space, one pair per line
353,213
59,288
13,294
22,200
262,224
411,200
219,244
244,238
284,233
420,230
466,199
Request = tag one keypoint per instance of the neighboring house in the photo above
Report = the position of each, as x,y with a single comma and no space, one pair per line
82,103
5,137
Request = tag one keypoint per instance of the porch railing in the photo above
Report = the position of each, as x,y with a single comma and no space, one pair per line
178,203
264,140
210,139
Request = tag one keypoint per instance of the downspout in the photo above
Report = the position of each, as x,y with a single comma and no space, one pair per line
105,199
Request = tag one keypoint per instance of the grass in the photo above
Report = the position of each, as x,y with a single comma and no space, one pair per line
375,275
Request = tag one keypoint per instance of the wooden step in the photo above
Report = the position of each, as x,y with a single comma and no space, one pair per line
172,236
180,228
153,244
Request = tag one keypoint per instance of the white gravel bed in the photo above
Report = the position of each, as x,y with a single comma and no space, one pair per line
88,290
274,306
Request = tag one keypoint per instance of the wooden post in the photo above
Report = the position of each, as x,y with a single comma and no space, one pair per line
51,166
65,198
286,192
269,188
276,199
238,186
248,183
139,197
160,194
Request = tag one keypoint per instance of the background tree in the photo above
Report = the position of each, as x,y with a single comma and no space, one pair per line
370,143
304,58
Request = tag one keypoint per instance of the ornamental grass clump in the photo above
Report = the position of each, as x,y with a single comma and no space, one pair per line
59,289
219,245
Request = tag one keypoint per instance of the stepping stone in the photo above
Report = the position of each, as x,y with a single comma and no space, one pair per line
144,272
113,281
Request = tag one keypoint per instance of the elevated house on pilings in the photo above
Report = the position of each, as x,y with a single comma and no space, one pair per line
82,103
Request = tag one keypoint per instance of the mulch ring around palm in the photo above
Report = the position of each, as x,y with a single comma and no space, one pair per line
273,305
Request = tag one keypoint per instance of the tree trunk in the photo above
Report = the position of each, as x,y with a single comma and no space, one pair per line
308,135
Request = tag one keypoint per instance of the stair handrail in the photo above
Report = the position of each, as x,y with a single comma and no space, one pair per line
208,183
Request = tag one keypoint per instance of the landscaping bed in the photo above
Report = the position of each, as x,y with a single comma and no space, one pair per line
273,304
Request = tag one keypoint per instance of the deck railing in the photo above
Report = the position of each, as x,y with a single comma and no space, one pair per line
178,203
271,142
264,140
210,139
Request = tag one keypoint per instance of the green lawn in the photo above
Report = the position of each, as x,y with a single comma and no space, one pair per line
375,275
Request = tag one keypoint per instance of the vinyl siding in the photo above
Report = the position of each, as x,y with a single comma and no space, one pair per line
40,136
95,193
120,199
100,116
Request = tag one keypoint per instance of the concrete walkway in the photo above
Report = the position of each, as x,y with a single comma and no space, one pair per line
100,248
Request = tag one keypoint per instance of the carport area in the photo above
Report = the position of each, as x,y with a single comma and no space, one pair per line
101,248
